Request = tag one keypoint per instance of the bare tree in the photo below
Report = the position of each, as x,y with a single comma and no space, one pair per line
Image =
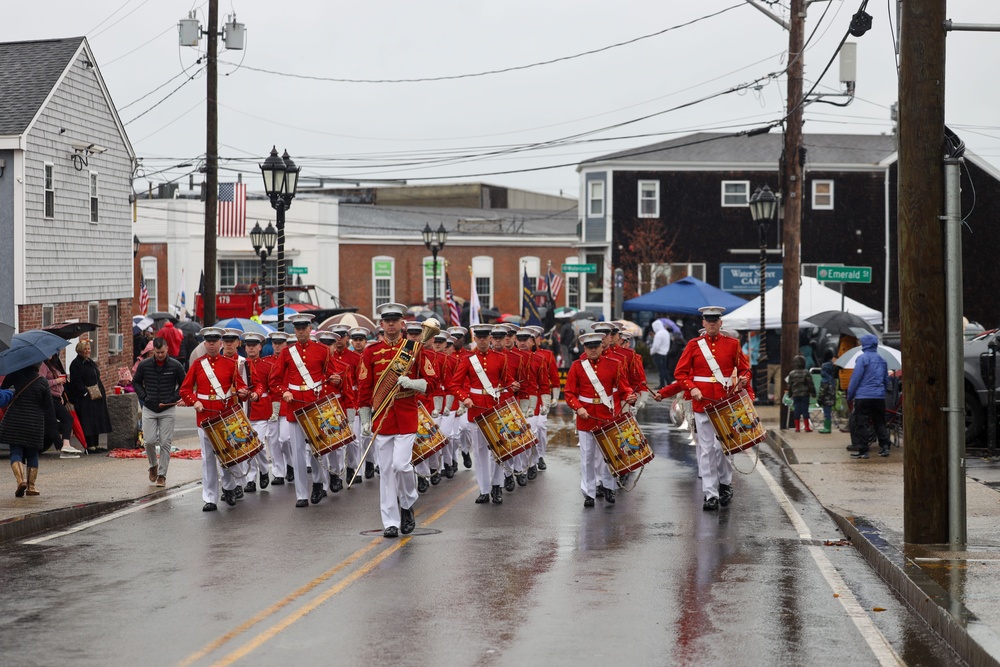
646,253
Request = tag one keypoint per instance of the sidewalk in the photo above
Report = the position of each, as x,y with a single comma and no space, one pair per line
956,592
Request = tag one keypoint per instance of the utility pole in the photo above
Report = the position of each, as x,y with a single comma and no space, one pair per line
921,270
793,158
211,162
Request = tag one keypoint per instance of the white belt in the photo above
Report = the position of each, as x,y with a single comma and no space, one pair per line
595,400
698,378
300,387
474,390
211,397
337,395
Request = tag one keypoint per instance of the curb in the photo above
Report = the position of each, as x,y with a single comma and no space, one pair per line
975,642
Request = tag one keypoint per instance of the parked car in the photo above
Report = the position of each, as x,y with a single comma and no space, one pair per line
975,386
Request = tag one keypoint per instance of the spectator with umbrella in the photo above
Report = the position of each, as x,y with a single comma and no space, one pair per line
86,391
59,430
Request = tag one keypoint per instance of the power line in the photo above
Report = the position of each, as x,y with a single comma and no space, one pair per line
168,96
95,35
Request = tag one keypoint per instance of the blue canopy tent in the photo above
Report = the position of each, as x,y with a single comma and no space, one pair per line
684,297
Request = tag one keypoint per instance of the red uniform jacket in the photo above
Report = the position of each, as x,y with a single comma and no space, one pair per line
693,371
540,373
465,383
551,368
451,363
346,364
580,391
260,373
286,376
401,416
197,387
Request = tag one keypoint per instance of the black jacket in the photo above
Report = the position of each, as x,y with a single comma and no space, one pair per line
24,423
155,384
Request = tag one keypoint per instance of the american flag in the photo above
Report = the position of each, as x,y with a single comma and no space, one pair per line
143,297
449,296
555,284
232,209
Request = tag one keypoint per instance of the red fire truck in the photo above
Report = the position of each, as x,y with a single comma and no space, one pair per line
245,301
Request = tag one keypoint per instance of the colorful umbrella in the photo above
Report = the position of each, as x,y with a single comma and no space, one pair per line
245,325
271,314
350,319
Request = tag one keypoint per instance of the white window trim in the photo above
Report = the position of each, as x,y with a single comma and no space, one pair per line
822,207
150,269
95,308
51,309
428,280
48,166
656,199
94,190
722,194
391,278
591,198
483,259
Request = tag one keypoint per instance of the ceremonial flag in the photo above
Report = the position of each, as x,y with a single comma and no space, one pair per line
473,302
455,317
232,209
143,297
555,283
529,311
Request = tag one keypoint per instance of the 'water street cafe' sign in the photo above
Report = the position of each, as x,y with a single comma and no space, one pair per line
745,278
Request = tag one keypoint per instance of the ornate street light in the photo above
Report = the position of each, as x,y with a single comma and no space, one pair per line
434,241
135,246
281,178
763,207
263,241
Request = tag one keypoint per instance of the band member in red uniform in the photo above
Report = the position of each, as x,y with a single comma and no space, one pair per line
339,384
260,411
395,427
299,373
480,383
531,392
359,341
462,429
428,470
551,369
712,367
444,345
212,385
596,388
345,366
281,453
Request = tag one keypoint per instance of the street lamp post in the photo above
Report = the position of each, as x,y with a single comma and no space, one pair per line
281,177
434,241
263,241
763,206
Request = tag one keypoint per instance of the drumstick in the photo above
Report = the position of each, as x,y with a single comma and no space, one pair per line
169,405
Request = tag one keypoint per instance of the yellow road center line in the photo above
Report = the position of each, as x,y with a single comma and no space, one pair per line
306,588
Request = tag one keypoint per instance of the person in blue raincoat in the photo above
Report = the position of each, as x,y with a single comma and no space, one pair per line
866,391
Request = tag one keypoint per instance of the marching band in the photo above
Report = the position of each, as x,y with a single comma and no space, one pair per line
409,402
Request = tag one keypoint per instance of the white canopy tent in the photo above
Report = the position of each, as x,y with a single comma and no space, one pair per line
814,297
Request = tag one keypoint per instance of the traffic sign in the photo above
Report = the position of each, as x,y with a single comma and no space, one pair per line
844,274
298,270
579,268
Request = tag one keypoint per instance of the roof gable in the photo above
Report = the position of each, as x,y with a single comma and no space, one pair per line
28,73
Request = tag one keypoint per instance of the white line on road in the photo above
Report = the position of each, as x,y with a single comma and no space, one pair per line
873,636
110,517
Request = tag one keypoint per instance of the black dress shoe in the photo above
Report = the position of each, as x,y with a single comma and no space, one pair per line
725,494
522,480
588,502
600,491
318,493
251,487
229,497
508,483
609,496
435,477
309,470
336,485
264,481
497,495
209,507
350,475
483,498
369,470
541,464
289,473
238,492
277,481
302,503
407,522
422,484
532,472
391,531
711,504
449,471
466,459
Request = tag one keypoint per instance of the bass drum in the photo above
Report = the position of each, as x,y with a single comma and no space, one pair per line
506,431
232,437
623,445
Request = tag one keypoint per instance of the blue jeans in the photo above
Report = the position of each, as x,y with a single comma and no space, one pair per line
28,455
800,407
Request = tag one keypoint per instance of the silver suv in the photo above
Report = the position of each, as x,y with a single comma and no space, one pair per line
975,387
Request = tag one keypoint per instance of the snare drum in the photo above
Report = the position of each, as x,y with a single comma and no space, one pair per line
429,438
736,423
232,437
506,431
325,425
623,445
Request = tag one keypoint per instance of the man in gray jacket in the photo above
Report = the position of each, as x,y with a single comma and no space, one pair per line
157,383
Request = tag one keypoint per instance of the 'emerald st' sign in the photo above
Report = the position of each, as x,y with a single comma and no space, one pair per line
844,274
298,270
579,268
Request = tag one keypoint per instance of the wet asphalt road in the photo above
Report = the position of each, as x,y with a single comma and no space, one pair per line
652,580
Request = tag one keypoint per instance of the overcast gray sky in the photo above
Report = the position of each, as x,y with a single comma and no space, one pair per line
417,130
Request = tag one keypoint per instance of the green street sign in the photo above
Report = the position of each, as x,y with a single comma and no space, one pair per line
579,268
298,270
844,274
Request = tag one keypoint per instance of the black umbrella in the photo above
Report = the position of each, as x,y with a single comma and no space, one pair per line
28,349
839,321
161,316
189,326
70,330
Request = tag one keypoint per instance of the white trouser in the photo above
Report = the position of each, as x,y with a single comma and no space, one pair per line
397,485
542,426
210,471
712,464
334,461
532,453
281,452
488,471
593,469
301,459
520,463
267,433
448,428
353,454
465,432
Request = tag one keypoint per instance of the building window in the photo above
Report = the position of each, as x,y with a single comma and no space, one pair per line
594,290
572,285
533,267
233,272
822,195
48,315
383,281
482,273
148,267
735,193
678,271
595,199
649,199
93,316
50,191
652,276
113,317
93,197
429,278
